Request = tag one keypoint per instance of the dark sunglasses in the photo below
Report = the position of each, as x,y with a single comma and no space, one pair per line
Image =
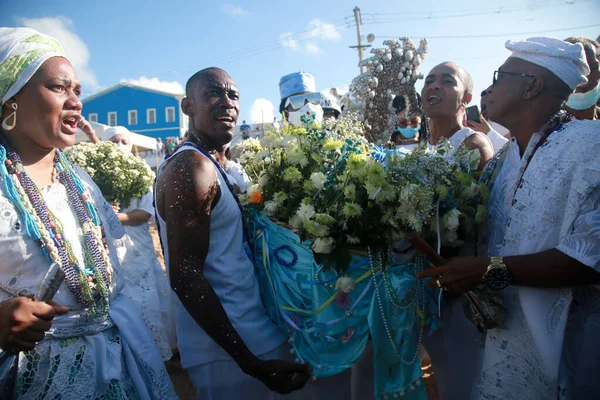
298,101
414,122
496,73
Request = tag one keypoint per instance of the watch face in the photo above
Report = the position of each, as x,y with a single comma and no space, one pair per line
497,278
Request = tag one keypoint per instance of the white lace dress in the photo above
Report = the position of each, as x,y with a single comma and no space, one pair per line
554,205
147,284
81,357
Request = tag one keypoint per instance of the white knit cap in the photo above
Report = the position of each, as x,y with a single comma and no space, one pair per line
565,60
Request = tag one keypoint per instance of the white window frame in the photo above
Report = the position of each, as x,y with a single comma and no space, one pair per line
167,114
116,120
148,115
129,114
93,117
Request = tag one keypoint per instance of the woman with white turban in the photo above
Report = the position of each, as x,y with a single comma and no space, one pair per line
90,342
148,286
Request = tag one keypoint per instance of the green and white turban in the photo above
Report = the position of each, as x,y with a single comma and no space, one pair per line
22,52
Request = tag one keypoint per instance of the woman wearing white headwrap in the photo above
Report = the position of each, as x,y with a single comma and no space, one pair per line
94,344
148,286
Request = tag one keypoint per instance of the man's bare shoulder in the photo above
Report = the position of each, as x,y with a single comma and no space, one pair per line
186,165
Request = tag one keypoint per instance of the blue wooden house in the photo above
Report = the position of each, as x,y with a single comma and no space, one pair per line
142,110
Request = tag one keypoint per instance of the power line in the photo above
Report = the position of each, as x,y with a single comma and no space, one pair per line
379,18
495,34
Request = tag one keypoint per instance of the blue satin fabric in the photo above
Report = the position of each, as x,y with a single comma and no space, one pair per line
332,338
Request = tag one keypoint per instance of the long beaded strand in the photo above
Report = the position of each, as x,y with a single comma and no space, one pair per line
46,230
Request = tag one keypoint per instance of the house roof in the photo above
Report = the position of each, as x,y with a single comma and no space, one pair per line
127,84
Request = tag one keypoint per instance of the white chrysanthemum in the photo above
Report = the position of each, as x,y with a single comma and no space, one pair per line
318,179
296,156
271,141
305,211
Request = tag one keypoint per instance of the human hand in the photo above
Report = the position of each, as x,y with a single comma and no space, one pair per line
457,274
483,126
23,322
281,376
115,207
85,126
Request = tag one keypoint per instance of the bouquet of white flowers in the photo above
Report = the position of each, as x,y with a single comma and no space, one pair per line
330,185
121,177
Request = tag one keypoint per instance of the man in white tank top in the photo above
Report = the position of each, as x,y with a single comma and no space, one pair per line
448,89
227,342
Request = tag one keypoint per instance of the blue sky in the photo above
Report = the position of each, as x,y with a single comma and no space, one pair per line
259,41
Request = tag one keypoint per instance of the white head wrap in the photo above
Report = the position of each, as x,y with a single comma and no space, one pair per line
565,60
22,53
117,130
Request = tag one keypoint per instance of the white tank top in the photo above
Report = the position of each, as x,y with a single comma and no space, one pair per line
231,274
460,136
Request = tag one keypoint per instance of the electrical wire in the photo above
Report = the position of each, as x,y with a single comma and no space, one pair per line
495,34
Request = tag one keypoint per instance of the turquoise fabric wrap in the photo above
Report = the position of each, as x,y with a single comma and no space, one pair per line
333,337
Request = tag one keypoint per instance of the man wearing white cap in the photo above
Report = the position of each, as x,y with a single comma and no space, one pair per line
542,235
300,101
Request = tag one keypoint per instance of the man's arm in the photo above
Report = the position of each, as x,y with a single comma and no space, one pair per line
482,144
134,217
188,191
548,269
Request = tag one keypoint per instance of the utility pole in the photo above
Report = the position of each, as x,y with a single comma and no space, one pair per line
359,47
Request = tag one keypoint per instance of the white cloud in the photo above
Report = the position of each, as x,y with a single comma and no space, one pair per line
288,40
156,84
233,10
316,31
323,30
262,110
312,48
75,48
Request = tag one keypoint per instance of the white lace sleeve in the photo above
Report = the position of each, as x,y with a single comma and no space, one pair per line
583,244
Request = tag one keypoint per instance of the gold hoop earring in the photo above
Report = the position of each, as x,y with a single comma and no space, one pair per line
5,124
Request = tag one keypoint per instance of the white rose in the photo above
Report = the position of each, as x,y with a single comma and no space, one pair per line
345,284
323,245
450,221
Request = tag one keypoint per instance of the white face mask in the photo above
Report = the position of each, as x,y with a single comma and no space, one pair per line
310,111
124,148
583,101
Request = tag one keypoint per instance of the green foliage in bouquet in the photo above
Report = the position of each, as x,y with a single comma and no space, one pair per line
121,177
330,185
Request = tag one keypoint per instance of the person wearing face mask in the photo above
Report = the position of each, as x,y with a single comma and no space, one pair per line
331,108
583,103
410,129
148,285
300,101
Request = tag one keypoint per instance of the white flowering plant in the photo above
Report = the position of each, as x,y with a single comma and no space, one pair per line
120,176
330,185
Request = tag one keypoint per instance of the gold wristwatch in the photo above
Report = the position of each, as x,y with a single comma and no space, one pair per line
497,276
